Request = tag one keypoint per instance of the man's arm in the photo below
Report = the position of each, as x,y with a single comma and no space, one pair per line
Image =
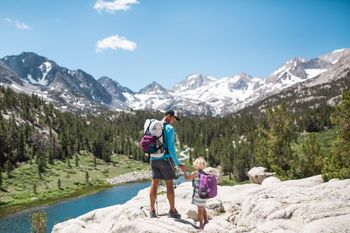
171,145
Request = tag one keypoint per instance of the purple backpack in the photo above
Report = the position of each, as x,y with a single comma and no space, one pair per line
207,185
148,143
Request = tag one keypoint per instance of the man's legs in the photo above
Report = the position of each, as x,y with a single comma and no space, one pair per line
170,194
171,198
153,193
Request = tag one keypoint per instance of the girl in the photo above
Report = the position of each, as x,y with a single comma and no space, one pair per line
199,164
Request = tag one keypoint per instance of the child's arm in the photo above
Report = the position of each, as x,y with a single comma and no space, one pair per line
190,177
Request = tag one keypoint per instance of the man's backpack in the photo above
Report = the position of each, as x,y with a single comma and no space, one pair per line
207,185
152,141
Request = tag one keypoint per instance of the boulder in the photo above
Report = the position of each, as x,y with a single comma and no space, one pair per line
258,174
270,181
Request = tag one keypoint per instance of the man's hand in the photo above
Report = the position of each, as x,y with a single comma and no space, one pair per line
182,167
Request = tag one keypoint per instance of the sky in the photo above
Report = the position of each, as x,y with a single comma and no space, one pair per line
136,42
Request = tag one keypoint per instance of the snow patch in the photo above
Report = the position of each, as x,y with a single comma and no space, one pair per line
311,73
338,50
15,86
45,69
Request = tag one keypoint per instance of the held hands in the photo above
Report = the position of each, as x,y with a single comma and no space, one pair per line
183,168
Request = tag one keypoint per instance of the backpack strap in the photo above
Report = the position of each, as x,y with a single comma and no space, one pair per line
194,184
165,144
149,125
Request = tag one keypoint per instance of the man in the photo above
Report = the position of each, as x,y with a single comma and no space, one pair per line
163,167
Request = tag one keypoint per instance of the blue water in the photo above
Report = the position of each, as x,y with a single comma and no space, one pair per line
20,223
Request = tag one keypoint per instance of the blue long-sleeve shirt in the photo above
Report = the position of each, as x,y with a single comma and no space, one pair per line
169,142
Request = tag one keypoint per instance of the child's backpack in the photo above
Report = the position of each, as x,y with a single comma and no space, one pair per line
152,141
207,185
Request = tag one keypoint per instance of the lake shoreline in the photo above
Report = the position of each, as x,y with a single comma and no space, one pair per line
127,177
130,177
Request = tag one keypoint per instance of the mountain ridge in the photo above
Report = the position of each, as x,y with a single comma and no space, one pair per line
197,94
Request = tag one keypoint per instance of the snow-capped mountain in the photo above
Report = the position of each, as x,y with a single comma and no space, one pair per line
69,89
198,94
31,68
321,91
153,96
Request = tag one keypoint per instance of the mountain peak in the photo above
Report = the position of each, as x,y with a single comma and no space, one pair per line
116,90
153,88
31,67
246,76
193,81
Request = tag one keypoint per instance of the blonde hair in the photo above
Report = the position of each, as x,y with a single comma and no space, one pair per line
199,163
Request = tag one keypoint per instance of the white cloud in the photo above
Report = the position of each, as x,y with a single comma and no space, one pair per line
115,42
21,25
18,24
112,6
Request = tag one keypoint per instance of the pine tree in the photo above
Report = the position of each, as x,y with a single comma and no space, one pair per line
338,163
87,177
8,168
39,172
77,145
76,159
50,148
0,179
21,147
261,149
34,188
59,183
312,151
280,136
32,153
242,159
3,145
310,161
64,145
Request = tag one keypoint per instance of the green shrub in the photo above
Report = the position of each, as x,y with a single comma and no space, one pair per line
39,222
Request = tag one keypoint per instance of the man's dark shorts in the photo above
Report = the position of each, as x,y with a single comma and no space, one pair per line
163,169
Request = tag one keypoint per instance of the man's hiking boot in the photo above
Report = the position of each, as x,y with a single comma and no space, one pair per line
152,214
174,214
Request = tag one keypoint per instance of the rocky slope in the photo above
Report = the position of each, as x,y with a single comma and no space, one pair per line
307,205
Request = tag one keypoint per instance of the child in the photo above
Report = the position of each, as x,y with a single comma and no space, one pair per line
199,164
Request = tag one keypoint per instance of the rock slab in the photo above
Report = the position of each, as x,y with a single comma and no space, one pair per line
303,206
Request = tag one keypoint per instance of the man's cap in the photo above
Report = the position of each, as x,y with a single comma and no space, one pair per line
172,113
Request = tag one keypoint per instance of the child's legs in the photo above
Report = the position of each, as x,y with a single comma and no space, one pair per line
205,216
201,214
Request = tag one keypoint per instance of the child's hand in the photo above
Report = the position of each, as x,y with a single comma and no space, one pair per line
185,175
189,177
